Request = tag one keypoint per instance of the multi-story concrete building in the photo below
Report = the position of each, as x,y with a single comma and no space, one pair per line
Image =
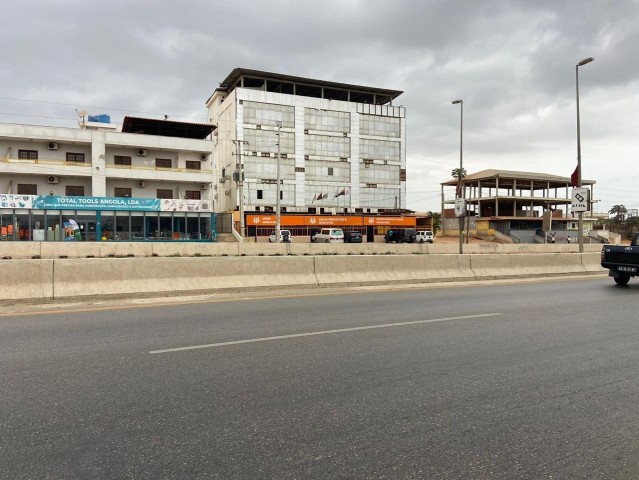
342,147
148,179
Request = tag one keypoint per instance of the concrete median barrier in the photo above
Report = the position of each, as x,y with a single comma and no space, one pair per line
380,269
26,280
525,265
592,262
126,276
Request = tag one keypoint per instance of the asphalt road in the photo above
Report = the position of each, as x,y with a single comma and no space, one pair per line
503,380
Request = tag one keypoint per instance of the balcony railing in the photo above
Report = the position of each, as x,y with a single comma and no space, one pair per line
157,169
20,161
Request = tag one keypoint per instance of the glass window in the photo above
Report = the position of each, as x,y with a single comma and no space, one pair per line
163,163
74,190
164,193
165,226
27,154
37,226
138,231
379,126
327,120
121,192
75,157
53,222
27,189
87,222
121,160
268,114
326,146
108,225
122,226
192,165
193,195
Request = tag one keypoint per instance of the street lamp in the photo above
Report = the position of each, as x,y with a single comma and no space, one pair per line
460,174
585,61
240,181
277,199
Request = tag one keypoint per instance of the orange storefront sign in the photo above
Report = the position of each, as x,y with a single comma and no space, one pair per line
329,220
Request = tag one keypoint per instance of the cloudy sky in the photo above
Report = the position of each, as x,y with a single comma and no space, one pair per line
512,62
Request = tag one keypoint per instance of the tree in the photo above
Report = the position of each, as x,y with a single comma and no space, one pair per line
619,211
455,173
437,221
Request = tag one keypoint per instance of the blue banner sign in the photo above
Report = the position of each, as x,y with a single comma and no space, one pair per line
55,202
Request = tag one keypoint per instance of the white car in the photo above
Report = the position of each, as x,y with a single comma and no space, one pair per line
424,236
285,236
329,235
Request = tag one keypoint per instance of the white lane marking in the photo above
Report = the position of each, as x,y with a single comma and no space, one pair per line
323,332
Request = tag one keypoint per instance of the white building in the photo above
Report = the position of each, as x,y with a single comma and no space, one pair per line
342,147
142,159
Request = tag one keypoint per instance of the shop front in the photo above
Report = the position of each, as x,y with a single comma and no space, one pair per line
50,218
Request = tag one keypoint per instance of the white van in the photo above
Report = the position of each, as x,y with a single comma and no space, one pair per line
424,236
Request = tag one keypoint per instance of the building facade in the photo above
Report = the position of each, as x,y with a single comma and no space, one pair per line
146,180
342,147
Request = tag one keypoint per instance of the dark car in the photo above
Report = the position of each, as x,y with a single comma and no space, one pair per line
352,237
400,236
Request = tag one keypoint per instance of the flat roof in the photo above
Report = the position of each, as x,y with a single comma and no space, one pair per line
489,178
166,128
230,81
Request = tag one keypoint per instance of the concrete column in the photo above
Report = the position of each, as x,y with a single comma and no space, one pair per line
98,164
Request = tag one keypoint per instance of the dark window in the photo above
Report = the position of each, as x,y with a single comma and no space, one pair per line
330,171
193,165
27,189
259,194
164,193
163,163
281,195
193,195
75,157
28,154
121,192
120,160
74,191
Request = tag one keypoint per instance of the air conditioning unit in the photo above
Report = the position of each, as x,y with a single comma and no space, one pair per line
204,186
53,146
227,193
141,184
53,179
203,157
222,179
141,152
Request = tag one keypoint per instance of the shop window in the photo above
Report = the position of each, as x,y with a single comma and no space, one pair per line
27,189
121,192
191,165
163,163
121,160
75,157
164,193
74,191
28,154
193,195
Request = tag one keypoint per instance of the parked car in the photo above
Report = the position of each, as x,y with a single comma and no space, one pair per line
424,236
352,237
285,237
329,235
400,236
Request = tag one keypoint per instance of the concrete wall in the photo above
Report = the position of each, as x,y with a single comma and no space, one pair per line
91,277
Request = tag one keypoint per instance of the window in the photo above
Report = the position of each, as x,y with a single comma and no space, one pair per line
75,157
193,195
27,154
330,171
74,191
260,194
191,165
121,192
27,189
164,193
120,160
163,163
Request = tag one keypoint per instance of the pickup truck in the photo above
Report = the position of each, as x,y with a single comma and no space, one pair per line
621,260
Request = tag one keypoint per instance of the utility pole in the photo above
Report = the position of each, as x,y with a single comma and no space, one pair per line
240,182
278,218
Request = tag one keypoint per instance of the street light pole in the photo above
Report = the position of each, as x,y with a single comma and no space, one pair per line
460,173
579,180
277,199
240,182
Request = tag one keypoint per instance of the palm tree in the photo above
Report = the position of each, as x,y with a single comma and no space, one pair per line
619,211
455,173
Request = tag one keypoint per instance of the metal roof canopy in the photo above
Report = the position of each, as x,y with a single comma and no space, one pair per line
166,128
230,81
489,178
